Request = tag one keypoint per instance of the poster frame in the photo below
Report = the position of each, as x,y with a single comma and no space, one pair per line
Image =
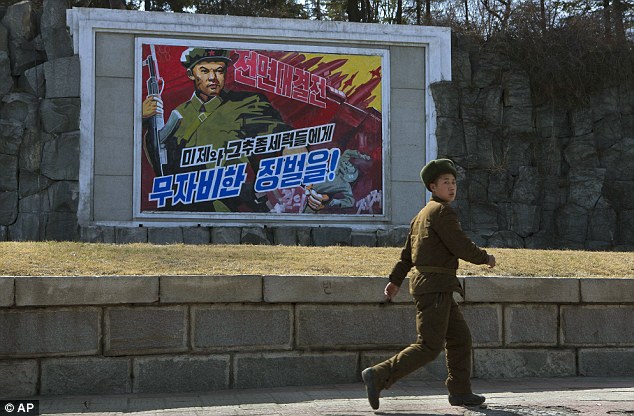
248,217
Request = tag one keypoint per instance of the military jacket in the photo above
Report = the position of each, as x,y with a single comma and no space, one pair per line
229,116
434,244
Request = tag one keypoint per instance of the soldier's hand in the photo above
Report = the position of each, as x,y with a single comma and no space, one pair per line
491,261
152,106
391,290
316,201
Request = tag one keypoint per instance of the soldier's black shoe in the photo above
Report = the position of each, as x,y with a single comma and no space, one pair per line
466,399
368,376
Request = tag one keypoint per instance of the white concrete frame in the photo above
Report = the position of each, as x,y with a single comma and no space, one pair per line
85,23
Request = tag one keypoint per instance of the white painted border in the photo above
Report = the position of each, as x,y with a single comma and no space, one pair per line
266,217
84,23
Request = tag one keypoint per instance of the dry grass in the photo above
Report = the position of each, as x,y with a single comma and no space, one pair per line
83,259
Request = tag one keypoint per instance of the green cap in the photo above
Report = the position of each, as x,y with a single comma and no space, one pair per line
192,56
434,169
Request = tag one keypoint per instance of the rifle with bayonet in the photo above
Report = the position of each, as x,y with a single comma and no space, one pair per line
158,132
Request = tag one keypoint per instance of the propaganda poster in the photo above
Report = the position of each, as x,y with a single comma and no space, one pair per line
229,129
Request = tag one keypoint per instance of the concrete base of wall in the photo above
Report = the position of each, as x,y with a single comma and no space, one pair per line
387,236
112,335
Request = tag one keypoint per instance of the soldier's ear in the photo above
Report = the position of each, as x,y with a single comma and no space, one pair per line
190,74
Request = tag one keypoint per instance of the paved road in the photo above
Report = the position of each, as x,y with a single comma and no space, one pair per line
527,397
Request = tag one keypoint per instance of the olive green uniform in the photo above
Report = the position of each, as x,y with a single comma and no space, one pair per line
434,245
232,115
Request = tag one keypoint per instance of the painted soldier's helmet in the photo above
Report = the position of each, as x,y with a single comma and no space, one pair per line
192,56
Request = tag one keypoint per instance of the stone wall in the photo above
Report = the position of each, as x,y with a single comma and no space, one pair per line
39,123
143,334
536,175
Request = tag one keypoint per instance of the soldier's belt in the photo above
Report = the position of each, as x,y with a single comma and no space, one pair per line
434,269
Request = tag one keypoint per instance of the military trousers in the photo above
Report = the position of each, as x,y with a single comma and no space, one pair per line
439,324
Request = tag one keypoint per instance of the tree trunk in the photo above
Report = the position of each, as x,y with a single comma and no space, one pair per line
428,12
619,27
399,12
466,13
419,5
352,8
607,24
318,14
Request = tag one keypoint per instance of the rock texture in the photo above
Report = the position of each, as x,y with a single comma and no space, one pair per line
535,175
39,124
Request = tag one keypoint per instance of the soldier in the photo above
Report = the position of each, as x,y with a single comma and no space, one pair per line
214,116
434,245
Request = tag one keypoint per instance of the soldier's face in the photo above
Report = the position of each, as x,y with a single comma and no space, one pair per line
209,78
444,187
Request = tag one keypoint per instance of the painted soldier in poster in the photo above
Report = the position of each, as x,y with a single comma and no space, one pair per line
214,116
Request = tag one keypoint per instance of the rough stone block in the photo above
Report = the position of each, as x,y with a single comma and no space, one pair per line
242,326
6,80
7,291
60,157
597,325
63,196
97,234
304,236
531,325
62,226
196,235
9,173
32,183
320,326
394,237
18,378
165,235
145,330
331,236
30,152
62,77
606,362
485,324
186,374
502,363
285,236
211,289
20,107
60,115
83,376
57,41
327,289
8,207
11,133
254,235
27,227
293,369
126,235
85,290
225,235
521,289
31,81
607,290
435,370
38,332
363,239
